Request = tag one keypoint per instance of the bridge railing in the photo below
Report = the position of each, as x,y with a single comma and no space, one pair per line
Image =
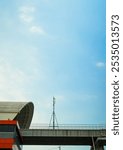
69,126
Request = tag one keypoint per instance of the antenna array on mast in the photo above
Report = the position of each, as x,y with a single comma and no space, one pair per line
53,121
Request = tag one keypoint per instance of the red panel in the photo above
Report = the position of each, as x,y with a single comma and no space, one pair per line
14,122
3,146
6,143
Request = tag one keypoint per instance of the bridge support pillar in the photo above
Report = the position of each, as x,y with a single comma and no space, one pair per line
98,144
101,147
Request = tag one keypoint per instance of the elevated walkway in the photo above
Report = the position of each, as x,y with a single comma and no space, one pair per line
64,136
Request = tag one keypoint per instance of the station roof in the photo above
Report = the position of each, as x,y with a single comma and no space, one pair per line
20,111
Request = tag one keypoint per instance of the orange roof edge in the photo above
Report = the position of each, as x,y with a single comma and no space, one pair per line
8,122
7,140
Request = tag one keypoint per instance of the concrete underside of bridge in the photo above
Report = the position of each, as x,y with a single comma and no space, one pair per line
57,141
63,137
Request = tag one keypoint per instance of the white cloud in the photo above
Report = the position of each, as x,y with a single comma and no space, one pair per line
100,64
26,13
26,18
19,74
37,29
27,9
12,81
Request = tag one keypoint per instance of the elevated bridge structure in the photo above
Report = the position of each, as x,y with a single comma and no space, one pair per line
22,113
90,135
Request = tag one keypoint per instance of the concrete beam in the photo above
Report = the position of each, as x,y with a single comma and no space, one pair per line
60,136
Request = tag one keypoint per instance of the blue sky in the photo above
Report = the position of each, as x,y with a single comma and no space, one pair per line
55,48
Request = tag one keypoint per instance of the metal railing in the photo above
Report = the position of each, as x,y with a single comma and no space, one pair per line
69,126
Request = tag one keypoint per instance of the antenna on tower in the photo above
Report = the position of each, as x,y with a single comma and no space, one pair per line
53,121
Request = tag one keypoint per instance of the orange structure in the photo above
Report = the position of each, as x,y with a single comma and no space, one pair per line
10,137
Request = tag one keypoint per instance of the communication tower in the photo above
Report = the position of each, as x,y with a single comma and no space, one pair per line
53,121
